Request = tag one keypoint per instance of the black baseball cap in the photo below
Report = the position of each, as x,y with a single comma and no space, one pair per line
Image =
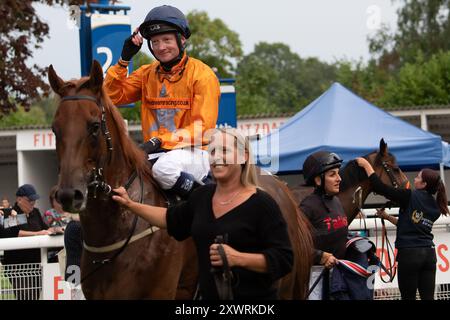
27,190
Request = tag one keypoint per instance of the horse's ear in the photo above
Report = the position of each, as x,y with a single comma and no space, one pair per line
55,82
383,147
96,77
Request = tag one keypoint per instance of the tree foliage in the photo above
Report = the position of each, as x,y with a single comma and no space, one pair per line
273,79
213,43
22,32
425,82
35,116
422,26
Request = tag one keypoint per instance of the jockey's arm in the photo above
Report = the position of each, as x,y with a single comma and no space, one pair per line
154,215
121,88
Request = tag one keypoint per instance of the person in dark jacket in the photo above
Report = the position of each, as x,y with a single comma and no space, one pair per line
419,209
324,210
256,242
19,261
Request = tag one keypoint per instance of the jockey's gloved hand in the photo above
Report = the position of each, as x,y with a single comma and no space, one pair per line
129,49
151,146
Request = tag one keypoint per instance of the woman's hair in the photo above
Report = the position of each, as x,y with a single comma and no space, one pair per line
436,186
242,144
52,195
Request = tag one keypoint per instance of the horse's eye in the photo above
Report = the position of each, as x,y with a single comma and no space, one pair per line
94,128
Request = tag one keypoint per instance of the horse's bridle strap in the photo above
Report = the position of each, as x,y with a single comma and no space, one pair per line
79,97
119,244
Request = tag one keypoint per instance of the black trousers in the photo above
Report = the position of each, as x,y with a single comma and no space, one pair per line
416,270
73,242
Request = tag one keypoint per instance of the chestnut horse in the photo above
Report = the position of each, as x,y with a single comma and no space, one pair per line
123,256
355,186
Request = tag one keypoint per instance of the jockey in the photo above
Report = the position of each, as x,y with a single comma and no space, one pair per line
330,230
179,95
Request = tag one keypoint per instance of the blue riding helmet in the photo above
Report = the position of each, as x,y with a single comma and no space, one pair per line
164,19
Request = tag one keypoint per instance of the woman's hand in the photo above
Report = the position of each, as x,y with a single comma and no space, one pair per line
328,260
122,197
363,163
382,214
231,254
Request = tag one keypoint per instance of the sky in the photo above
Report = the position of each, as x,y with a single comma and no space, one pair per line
327,29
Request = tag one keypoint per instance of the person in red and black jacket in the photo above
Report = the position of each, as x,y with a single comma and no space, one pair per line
324,210
419,209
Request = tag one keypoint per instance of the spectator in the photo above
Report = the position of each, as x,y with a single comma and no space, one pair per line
25,288
55,216
6,212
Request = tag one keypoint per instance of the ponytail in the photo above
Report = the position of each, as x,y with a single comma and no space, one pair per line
441,198
436,186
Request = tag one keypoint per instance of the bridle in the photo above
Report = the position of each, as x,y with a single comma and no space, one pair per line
392,270
390,174
97,183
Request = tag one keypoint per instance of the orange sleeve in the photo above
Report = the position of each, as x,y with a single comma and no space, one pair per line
204,113
123,89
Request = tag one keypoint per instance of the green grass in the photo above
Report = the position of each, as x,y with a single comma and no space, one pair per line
5,286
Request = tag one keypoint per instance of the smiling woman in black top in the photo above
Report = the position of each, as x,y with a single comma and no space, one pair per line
416,255
257,246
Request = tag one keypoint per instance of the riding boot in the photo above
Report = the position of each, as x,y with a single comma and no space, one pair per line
184,185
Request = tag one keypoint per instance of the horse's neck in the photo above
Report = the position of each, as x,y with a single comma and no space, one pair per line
351,201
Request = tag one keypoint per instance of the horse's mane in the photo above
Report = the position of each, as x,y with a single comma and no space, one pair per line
134,157
352,174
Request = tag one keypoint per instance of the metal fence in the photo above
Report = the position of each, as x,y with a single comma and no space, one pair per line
441,292
21,281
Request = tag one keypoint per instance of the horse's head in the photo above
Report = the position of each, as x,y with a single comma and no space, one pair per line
355,186
81,134
386,167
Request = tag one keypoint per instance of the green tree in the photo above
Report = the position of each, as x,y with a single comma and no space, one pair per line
213,43
425,82
274,79
422,26
365,79
22,31
35,116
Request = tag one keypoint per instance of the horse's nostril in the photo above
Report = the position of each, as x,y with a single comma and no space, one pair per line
78,196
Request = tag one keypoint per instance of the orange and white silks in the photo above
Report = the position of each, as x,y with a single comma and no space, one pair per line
177,107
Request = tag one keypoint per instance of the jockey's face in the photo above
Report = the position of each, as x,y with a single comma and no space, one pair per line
224,158
332,181
165,46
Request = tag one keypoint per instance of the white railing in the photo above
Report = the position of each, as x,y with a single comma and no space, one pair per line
441,231
371,222
34,242
30,281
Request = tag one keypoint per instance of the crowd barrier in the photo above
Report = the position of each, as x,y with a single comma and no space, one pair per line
45,280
